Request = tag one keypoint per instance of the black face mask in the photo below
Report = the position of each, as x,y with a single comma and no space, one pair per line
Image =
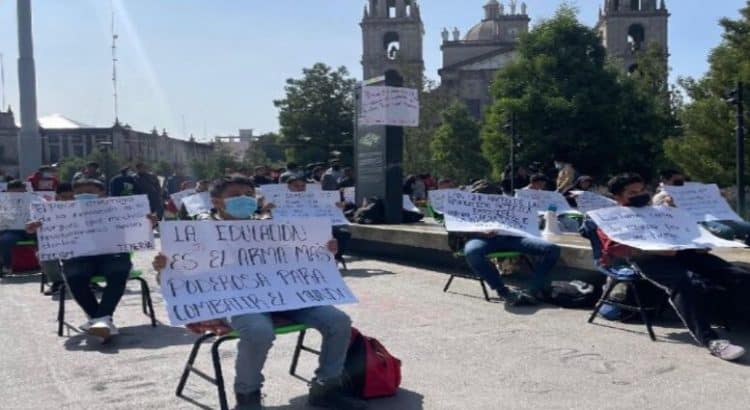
639,201
679,182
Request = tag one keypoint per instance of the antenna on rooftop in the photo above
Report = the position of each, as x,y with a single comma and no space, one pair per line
114,66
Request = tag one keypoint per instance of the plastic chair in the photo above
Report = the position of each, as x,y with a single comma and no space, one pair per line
146,302
218,378
496,255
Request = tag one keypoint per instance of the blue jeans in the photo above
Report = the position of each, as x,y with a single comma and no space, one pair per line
476,251
79,271
257,335
8,240
729,229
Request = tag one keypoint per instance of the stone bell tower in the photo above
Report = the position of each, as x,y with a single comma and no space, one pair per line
392,33
629,26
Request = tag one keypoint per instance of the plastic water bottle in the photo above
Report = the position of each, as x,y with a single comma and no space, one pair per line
551,224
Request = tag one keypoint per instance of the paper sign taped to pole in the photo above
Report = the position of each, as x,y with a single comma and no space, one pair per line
383,105
219,269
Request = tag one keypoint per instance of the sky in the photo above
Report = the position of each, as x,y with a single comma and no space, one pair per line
211,67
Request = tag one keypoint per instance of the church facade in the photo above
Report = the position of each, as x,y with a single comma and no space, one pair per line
393,30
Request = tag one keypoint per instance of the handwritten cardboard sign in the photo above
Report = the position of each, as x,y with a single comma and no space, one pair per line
46,196
655,229
587,201
270,190
467,212
198,203
702,202
315,204
542,200
382,105
178,197
219,269
438,198
14,209
97,227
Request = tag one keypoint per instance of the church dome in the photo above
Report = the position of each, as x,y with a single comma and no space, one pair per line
484,31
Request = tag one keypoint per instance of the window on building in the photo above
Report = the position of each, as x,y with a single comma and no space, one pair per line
54,153
636,37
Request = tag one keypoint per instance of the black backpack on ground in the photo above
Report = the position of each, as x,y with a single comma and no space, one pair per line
372,213
573,295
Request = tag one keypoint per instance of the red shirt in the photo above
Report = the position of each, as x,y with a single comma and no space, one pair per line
612,250
40,183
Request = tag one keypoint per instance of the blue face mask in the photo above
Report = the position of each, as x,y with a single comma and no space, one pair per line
86,197
241,207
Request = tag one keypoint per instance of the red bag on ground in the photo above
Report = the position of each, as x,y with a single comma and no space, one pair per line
371,371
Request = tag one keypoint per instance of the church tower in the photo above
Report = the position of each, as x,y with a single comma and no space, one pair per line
629,26
392,33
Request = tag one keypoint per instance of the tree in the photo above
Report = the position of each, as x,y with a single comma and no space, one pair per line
456,146
707,149
270,143
317,115
569,102
417,156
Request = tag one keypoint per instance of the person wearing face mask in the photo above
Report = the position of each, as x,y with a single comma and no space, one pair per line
669,271
45,179
566,175
234,199
79,271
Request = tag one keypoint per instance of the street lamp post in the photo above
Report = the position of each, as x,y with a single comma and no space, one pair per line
736,99
510,128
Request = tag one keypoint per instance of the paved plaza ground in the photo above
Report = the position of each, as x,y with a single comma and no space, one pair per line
458,352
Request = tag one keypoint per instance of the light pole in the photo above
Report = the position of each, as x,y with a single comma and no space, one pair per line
29,140
736,98
510,129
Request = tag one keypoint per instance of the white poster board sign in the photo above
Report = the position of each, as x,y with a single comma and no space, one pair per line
271,190
438,198
350,195
46,196
219,269
542,200
382,105
409,205
702,202
587,201
467,212
96,227
655,229
3,186
178,197
197,204
14,210
316,204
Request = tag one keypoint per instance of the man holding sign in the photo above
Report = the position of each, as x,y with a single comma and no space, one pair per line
93,238
659,244
234,200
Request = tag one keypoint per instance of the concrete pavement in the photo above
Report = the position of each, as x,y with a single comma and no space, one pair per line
458,352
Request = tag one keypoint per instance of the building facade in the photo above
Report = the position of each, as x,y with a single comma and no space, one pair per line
63,138
392,32
629,26
470,63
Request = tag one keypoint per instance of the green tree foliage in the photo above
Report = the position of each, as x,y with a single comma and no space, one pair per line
109,164
271,145
317,114
569,102
417,156
215,167
456,146
707,149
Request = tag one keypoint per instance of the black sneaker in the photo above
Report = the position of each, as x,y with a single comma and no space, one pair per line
53,290
330,395
250,401
513,297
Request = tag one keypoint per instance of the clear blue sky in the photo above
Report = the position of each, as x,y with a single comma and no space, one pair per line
220,63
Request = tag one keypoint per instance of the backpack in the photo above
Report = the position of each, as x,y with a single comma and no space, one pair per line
370,370
572,295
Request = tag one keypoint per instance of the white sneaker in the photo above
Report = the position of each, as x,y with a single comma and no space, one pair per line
725,350
86,326
103,327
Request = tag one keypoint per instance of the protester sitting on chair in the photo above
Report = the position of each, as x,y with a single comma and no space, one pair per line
477,248
340,233
668,270
724,229
51,269
234,199
79,271
9,238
